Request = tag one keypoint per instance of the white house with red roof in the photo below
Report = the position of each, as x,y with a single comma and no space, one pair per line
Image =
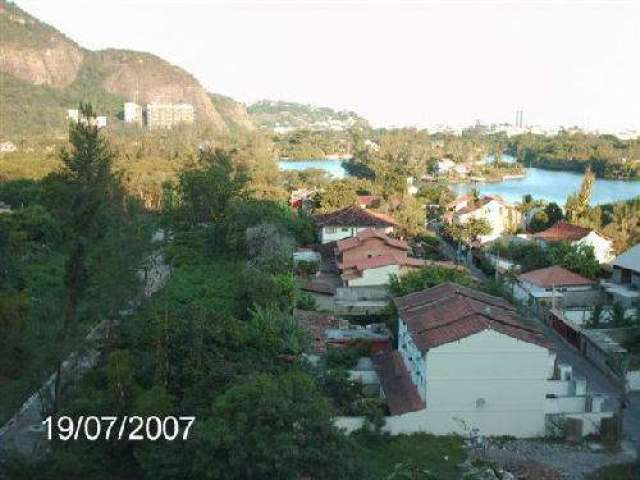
465,362
348,221
499,214
556,286
377,270
577,235
370,257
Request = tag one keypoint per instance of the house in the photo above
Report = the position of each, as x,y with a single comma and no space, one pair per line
4,208
466,363
577,235
624,285
555,287
462,169
368,201
501,215
444,166
302,198
366,244
376,270
370,257
349,221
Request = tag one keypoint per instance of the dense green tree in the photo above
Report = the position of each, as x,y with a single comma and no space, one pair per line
554,213
579,258
428,277
207,190
93,197
273,427
410,216
578,203
338,194
469,231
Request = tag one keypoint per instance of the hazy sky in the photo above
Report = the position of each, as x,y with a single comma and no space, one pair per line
395,62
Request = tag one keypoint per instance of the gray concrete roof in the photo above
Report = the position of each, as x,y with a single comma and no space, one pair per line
629,259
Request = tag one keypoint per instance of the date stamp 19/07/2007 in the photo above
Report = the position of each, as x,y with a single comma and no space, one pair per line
126,428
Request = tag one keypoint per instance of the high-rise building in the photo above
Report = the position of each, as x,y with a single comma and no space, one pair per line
167,115
519,119
132,113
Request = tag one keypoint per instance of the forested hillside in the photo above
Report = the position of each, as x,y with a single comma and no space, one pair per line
272,114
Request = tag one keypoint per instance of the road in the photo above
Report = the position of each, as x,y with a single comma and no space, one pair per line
448,251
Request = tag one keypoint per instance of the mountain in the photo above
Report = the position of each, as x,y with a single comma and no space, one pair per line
43,73
234,114
282,116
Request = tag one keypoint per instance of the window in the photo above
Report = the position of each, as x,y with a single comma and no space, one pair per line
330,229
345,229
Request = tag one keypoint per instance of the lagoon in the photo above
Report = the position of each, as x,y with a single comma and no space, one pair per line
331,166
549,185
555,186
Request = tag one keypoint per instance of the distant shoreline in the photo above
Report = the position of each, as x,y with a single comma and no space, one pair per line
332,157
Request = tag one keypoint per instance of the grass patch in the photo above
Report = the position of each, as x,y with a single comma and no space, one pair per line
417,452
625,471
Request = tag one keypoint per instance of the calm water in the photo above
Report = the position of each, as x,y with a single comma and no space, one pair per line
552,186
333,167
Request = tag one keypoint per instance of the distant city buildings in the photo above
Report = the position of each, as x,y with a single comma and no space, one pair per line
74,115
133,113
154,115
519,119
7,147
168,115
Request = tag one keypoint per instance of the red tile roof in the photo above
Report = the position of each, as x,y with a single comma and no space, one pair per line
450,312
368,200
554,276
382,261
563,231
482,201
355,216
316,323
352,242
400,392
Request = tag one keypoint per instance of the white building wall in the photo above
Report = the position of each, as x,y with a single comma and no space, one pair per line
378,276
375,276
517,424
132,113
333,234
602,248
496,214
489,374
414,360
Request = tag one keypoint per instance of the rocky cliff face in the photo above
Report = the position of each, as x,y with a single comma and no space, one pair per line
145,78
234,113
35,53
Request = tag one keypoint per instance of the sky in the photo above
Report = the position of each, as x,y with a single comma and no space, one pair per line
397,63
